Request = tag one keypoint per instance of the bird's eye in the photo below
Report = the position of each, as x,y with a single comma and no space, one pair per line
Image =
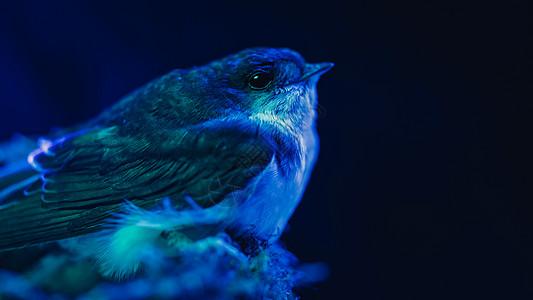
259,80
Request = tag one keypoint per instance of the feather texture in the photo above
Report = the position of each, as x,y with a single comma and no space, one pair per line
86,175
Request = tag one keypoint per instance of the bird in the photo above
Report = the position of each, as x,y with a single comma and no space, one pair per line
225,147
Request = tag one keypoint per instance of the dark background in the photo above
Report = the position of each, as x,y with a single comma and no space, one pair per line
422,189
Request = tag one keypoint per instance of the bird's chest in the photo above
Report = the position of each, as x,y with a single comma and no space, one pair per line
276,194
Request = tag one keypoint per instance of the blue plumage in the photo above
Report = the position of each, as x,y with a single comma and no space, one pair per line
229,145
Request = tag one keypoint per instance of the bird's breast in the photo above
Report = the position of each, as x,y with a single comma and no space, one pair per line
276,193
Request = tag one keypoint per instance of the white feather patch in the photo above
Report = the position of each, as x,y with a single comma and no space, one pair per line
134,235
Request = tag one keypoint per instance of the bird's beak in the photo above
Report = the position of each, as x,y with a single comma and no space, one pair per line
316,70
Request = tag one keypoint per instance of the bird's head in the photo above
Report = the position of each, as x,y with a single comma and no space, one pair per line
275,87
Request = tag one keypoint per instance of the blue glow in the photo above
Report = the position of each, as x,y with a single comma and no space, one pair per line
211,268
261,162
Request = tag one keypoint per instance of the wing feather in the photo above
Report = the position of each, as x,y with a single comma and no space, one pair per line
87,174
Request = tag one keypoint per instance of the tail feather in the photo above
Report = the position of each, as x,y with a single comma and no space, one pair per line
23,221
27,224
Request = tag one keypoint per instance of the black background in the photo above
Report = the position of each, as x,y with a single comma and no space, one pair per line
422,189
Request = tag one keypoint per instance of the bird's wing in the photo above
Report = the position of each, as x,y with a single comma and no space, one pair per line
87,174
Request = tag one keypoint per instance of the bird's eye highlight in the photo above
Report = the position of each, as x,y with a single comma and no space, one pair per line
259,80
